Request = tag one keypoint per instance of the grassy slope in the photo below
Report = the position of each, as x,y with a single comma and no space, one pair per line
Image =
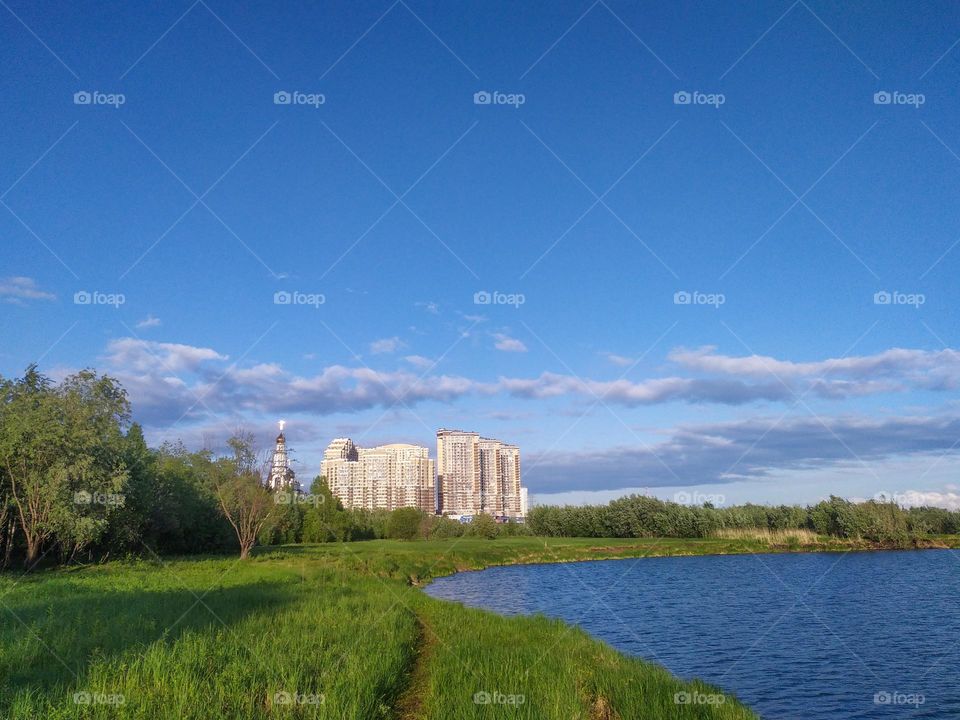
210,638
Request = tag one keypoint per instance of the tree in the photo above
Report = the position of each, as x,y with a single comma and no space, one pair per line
404,523
242,493
60,447
484,526
247,505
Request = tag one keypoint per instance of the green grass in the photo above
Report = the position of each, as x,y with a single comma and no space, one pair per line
341,627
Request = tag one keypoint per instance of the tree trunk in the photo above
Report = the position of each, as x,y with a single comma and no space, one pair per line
8,551
33,549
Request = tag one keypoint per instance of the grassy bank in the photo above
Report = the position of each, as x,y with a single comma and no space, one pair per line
324,631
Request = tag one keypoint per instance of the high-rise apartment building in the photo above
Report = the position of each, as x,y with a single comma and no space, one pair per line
380,478
477,475
458,472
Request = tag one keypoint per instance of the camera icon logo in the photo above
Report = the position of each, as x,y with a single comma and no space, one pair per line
882,98
682,297
282,97
882,298
82,698
282,698
282,297
682,97
82,497
882,698
82,97
482,698
482,98
482,298
82,297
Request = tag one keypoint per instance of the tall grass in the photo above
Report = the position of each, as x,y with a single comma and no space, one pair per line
335,631
771,537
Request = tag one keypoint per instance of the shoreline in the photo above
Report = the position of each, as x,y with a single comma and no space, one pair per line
427,655
629,552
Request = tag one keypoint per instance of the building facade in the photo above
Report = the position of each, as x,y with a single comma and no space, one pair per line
458,472
478,475
386,477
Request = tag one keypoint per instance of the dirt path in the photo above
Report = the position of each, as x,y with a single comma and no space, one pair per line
409,705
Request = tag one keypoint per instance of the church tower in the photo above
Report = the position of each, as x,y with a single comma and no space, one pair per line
282,476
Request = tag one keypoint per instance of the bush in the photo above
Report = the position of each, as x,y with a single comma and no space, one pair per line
404,523
442,528
484,526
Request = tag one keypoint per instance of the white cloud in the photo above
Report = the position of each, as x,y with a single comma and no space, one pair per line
184,371
386,345
149,321
18,290
419,361
508,344
618,360
657,390
145,355
938,369
921,498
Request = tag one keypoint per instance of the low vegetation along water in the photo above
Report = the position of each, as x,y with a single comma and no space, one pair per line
814,636
338,631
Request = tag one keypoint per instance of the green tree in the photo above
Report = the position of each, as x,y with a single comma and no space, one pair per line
404,523
484,526
60,446
241,490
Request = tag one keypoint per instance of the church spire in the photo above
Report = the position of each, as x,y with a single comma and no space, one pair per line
281,475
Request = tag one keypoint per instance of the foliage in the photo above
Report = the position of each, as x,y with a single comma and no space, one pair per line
247,505
639,516
61,450
483,526
404,523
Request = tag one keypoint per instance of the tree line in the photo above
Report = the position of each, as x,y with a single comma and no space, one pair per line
879,521
79,482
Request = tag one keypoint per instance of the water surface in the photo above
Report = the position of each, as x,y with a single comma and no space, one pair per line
814,636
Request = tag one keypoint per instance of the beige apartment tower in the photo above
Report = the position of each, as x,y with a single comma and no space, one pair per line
386,477
477,475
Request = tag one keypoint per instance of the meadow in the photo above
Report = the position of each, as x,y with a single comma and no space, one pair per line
338,630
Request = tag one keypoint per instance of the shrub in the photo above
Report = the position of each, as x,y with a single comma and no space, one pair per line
404,523
484,526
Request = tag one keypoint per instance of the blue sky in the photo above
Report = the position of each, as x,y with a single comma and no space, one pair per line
781,200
